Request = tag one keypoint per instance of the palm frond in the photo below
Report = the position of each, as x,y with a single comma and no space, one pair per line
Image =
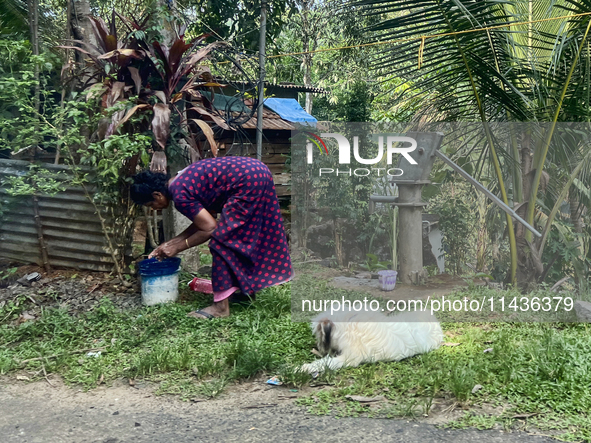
13,17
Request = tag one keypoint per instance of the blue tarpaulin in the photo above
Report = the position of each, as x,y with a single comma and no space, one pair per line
289,109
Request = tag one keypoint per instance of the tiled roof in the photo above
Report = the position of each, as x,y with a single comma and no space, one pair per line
271,120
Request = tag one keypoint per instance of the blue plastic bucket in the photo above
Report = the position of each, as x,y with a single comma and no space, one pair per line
160,280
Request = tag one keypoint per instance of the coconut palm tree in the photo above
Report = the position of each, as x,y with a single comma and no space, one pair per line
478,68
13,17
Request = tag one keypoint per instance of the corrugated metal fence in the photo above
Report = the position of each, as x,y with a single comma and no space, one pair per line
70,226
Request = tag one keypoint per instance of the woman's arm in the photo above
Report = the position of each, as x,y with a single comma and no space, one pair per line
187,232
205,225
197,233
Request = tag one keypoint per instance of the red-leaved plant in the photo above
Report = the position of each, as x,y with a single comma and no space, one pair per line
151,78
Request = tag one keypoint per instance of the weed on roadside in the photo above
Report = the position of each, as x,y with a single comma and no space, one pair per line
292,377
157,342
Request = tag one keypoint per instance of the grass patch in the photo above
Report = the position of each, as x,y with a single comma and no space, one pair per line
160,343
539,372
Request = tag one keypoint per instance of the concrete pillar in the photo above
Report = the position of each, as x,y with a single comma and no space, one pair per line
177,223
174,223
410,234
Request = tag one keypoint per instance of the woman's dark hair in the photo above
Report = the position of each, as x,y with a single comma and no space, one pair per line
147,182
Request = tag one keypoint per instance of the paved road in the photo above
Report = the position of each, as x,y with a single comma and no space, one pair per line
60,415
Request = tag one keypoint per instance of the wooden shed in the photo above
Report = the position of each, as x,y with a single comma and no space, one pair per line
239,138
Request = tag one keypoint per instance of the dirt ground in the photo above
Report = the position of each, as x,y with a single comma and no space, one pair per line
75,291
81,291
435,286
248,412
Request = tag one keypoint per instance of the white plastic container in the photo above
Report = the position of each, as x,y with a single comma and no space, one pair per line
387,279
160,280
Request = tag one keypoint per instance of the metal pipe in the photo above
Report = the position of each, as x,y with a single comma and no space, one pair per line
262,41
383,198
489,194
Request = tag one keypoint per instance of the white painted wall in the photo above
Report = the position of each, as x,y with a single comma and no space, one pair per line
436,238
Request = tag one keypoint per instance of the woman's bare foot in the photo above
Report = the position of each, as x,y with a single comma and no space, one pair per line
219,310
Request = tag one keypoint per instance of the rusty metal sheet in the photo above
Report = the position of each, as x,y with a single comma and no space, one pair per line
269,123
71,228
276,86
271,120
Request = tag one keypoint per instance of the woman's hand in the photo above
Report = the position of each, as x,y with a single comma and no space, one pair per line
199,232
167,249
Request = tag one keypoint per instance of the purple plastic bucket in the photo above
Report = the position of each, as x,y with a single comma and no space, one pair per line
387,279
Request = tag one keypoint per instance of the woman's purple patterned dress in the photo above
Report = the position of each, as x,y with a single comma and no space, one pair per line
249,247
